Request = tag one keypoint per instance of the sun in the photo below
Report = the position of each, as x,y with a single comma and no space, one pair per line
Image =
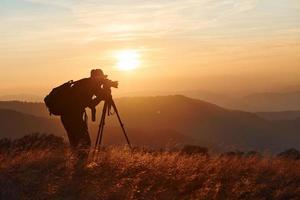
127,60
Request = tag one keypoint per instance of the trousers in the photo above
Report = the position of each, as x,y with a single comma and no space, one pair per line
76,127
75,124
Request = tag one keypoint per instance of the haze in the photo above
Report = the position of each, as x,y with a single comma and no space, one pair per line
226,46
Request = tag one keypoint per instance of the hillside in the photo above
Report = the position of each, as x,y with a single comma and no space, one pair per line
21,97
205,122
283,115
50,172
190,121
270,102
15,124
255,102
37,109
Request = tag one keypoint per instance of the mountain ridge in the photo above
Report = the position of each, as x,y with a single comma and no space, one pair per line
254,102
199,122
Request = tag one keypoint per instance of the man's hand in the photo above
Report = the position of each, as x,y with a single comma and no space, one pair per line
106,96
94,102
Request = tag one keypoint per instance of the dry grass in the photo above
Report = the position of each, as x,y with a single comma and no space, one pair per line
49,173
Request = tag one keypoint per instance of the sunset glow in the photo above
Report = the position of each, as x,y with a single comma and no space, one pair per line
169,45
127,60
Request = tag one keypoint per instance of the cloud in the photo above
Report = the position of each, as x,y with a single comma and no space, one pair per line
135,20
126,19
177,18
157,18
245,5
59,3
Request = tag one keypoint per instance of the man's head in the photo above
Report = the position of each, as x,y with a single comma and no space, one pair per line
98,74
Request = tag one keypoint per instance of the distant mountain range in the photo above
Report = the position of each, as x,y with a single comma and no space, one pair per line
36,109
276,116
16,124
157,121
271,101
21,97
257,102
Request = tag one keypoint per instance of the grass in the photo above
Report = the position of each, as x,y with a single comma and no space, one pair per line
50,173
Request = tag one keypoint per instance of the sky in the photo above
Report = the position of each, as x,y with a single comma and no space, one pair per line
223,46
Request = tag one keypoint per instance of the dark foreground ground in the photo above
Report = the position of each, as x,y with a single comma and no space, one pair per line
47,171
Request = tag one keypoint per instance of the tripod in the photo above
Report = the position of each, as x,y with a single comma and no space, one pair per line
106,111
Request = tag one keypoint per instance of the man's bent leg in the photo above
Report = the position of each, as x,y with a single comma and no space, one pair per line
77,130
68,123
83,140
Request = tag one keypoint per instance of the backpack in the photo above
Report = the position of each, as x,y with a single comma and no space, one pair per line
57,101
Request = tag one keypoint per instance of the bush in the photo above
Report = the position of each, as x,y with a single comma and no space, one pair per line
292,154
31,142
193,149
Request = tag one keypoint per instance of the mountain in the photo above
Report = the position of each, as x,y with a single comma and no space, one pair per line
216,98
21,97
15,124
208,124
256,102
36,109
270,102
152,120
283,115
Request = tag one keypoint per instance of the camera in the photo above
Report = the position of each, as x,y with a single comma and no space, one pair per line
109,83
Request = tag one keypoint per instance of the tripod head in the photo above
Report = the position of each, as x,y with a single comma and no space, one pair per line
107,85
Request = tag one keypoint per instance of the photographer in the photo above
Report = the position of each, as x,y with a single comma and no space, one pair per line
87,92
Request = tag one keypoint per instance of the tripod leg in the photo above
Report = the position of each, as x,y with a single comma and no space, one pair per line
103,123
120,121
100,125
100,131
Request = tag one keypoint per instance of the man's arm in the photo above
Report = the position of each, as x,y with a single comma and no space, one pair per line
101,95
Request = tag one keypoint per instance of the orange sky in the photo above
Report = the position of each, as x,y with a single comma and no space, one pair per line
225,46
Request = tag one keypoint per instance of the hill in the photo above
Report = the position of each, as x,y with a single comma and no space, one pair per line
205,122
21,97
270,102
283,115
255,102
14,124
36,109
189,120
50,172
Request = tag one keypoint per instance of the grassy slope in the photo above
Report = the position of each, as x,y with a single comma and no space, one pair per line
121,174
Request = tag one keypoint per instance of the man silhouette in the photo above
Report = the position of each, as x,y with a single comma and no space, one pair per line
87,92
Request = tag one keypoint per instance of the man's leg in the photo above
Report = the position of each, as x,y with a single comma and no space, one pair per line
69,123
77,129
82,139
